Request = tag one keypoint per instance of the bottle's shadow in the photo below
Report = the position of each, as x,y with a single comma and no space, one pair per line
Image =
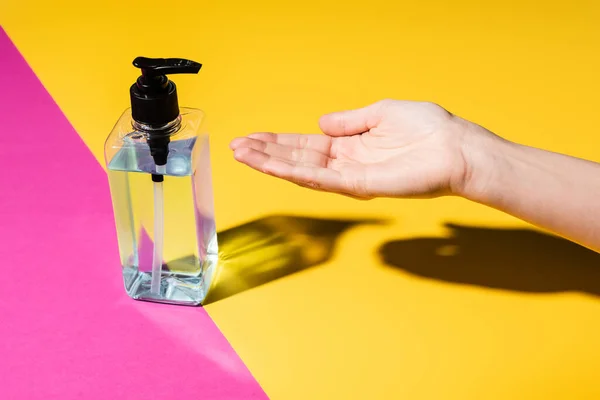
271,248
521,260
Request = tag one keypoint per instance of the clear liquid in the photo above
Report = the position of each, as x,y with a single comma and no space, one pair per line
190,241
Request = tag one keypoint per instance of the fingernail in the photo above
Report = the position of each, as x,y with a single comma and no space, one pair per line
257,135
234,143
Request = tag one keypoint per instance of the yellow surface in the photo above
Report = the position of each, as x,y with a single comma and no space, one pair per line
351,327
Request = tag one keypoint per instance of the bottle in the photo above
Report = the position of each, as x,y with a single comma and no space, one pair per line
159,173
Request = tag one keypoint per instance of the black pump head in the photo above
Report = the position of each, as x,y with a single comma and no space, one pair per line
154,96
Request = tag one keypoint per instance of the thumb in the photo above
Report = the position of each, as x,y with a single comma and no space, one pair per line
351,122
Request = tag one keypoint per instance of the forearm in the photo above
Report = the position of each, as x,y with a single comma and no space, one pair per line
553,191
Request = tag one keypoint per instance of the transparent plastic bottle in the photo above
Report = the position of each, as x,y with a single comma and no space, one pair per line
159,171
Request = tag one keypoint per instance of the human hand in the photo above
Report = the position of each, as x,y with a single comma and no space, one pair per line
387,149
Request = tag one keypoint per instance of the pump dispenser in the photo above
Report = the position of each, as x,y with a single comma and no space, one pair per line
158,162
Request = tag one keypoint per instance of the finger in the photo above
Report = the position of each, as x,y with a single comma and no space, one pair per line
351,122
308,176
320,143
303,156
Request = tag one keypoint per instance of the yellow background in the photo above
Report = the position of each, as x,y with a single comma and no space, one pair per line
352,328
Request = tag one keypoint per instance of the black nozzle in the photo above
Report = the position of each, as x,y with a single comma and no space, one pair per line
154,101
165,66
153,95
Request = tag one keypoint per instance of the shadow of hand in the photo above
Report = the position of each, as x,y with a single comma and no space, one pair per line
511,259
271,248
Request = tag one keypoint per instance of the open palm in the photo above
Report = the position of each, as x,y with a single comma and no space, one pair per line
387,149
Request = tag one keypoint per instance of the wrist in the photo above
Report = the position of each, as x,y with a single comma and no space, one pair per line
486,158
